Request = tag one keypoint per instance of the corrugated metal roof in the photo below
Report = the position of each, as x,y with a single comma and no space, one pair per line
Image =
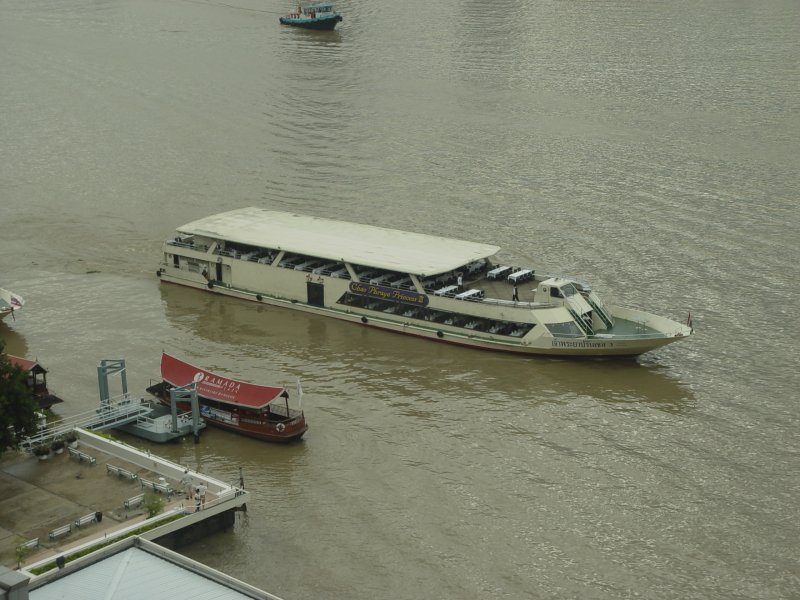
354,243
136,574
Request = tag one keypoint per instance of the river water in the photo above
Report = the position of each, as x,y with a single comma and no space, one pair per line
650,147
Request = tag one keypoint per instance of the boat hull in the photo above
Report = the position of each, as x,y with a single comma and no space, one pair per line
290,435
543,345
326,24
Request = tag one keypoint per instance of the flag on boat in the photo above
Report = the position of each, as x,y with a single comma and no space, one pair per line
299,395
689,322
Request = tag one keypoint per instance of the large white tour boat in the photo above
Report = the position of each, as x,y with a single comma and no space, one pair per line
432,287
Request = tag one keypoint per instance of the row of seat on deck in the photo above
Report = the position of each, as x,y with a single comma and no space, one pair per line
445,284
510,274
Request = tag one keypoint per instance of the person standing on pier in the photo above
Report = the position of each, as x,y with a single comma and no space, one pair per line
202,489
187,483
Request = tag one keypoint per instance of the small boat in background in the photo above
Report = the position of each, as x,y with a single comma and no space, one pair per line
320,16
252,410
9,302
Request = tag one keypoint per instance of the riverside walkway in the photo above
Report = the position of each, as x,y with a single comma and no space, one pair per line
39,498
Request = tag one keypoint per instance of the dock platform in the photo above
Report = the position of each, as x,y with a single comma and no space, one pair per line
41,501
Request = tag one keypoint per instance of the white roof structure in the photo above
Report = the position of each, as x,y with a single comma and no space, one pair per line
140,570
353,243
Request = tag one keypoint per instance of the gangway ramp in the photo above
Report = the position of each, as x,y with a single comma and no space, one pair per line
111,413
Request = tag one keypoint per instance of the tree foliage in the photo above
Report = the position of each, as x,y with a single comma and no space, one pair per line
17,405
153,505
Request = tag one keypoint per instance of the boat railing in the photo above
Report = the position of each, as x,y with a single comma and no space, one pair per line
607,336
581,282
114,410
515,304
281,411
185,244
181,416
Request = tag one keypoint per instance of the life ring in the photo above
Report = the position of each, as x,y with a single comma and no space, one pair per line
210,284
440,334
364,320
258,297
280,427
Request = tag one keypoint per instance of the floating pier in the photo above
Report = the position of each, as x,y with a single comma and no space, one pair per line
143,418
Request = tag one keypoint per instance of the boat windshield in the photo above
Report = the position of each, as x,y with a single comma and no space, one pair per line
568,290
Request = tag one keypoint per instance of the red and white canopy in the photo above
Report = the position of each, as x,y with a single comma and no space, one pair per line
216,387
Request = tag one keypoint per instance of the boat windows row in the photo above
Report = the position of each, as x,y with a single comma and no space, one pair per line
443,317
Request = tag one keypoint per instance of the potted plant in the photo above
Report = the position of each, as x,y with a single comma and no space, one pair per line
58,445
71,438
42,451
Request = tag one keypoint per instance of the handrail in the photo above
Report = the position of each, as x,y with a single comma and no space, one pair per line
616,336
113,410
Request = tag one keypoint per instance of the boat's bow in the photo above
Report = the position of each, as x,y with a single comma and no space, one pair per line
9,303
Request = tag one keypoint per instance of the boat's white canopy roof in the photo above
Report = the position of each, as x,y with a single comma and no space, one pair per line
353,243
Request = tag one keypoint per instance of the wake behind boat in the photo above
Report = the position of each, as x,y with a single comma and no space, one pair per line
9,303
257,411
320,16
437,288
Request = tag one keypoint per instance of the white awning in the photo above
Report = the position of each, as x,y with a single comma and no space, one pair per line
354,243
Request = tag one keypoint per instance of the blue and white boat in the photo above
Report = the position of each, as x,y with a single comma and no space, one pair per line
320,16
9,302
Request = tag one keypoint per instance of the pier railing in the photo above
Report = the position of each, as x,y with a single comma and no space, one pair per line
111,413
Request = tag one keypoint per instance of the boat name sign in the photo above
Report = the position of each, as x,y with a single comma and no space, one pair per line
387,293
224,388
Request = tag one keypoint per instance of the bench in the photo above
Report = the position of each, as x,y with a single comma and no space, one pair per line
128,474
59,531
498,272
520,276
133,501
472,294
82,456
85,520
164,488
30,544
120,472
449,289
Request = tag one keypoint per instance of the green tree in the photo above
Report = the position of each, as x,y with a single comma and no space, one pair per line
153,505
17,405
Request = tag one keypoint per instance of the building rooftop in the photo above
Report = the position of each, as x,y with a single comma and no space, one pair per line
136,569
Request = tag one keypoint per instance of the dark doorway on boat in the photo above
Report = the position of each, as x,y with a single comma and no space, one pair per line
316,293
219,271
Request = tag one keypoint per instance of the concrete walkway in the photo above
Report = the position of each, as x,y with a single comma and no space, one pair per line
38,496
